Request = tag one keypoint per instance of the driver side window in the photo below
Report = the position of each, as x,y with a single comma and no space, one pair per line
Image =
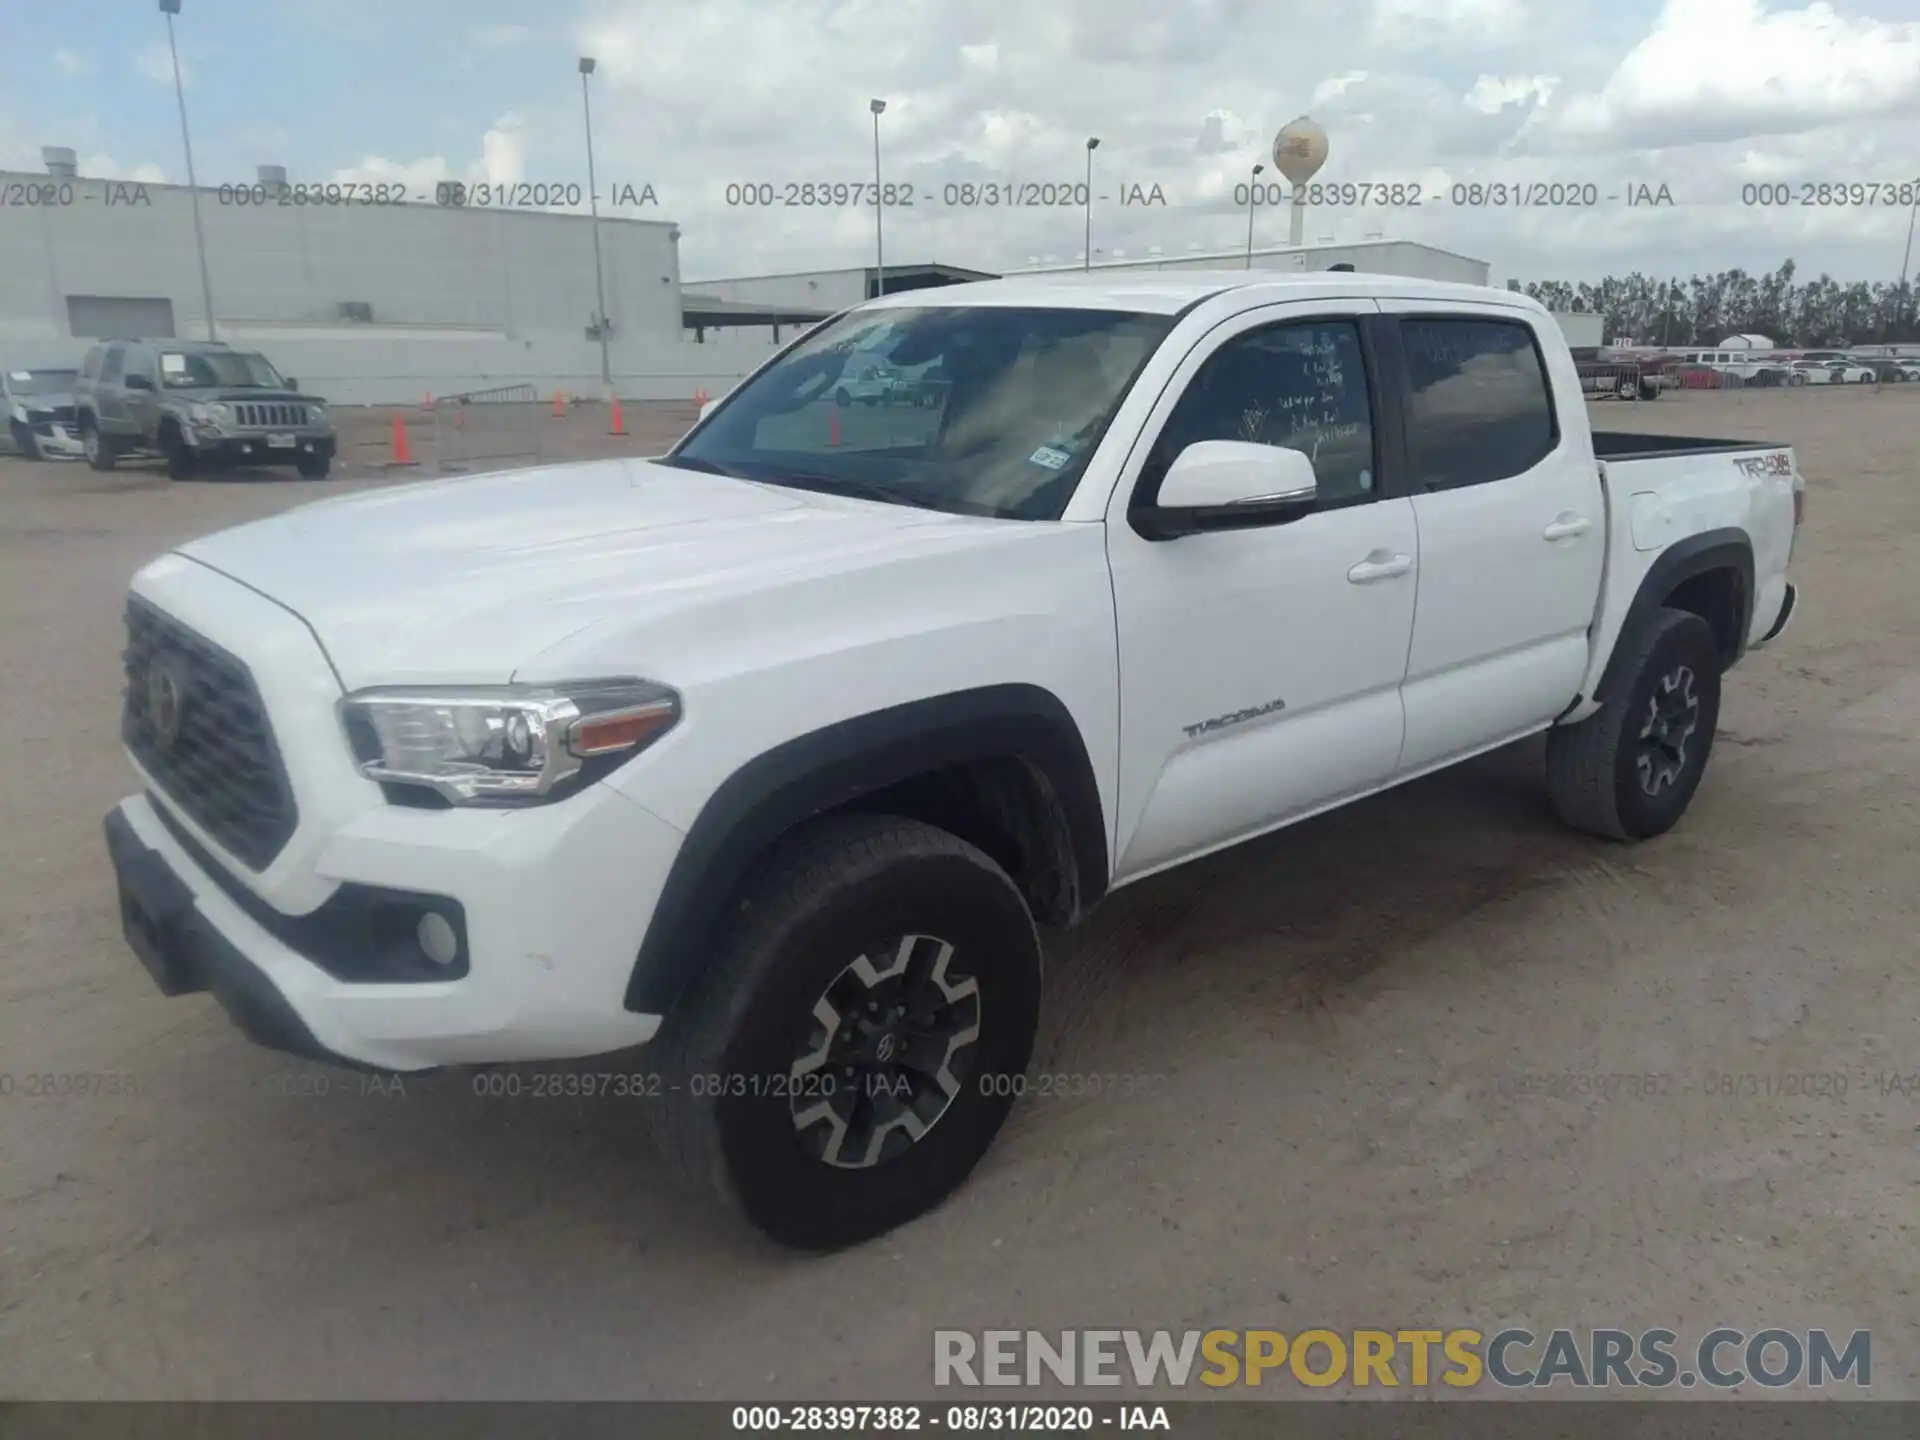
1298,384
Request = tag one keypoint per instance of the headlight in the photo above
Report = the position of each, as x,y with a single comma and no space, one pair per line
507,744
202,413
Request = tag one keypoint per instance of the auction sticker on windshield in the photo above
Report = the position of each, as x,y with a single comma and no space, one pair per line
1050,456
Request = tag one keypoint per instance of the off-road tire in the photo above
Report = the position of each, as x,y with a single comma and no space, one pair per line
1594,773
314,468
831,892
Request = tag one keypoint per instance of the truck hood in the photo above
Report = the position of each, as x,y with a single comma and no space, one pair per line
465,580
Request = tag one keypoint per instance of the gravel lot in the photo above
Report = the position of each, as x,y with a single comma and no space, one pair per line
1332,1020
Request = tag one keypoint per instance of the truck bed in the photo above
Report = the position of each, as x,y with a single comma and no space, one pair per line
1627,445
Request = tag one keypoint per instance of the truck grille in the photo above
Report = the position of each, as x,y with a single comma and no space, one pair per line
260,415
194,719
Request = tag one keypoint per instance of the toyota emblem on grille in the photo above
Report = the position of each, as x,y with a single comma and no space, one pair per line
164,696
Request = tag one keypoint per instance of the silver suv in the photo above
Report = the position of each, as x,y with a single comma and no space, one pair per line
197,404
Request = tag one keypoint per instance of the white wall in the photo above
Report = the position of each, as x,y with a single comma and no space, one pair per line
806,290
1582,329
462,299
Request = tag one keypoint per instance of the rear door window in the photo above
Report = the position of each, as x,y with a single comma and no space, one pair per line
1480,409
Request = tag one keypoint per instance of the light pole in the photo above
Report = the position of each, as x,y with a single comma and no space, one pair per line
1253,189
599,270
1906,258
879,108
1093,144
171,8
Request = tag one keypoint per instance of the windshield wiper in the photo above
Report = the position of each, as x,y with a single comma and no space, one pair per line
855,489
705,467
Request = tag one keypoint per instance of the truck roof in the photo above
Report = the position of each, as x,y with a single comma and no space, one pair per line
1169,292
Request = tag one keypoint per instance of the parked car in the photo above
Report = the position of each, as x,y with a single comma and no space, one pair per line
771,754
38,400
1622,381
1854,372
197,404
1810,372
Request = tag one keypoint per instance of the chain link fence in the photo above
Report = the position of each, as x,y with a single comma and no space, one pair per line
487,430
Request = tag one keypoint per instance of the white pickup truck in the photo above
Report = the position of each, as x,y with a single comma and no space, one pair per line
771,754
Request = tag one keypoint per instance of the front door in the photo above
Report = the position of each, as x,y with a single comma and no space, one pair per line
1260,668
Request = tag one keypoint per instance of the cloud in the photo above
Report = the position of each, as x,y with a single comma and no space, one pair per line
1492,94
155,62
1722,69
501,160
69,63
1414,23
1334,87
503,150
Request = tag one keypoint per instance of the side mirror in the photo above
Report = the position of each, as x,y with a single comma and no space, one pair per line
1229,485
138,382
292,384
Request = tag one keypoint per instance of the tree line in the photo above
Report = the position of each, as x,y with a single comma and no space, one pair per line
1704,310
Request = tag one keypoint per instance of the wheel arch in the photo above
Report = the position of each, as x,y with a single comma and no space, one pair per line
1003,766
1710,575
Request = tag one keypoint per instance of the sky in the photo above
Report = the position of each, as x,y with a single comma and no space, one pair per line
1701,98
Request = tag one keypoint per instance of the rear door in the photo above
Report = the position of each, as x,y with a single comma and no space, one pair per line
1512,528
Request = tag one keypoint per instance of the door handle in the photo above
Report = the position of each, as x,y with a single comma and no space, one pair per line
1380,565
1566,526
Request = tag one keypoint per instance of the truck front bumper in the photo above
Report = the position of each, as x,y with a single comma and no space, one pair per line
261,449
551,915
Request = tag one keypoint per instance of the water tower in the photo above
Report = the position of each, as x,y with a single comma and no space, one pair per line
1299,150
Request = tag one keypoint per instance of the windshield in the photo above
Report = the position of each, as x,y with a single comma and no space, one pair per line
978,410
41,382
200,369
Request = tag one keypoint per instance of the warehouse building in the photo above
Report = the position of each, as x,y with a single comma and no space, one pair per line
820,293
365,302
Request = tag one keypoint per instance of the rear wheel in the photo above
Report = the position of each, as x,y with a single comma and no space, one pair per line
842,399
1627,388
854,1048
101,453
1628,772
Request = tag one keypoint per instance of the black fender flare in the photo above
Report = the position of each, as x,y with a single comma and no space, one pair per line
1726,549
833,766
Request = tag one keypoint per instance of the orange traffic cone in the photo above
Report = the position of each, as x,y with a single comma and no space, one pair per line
833,427
619,421
402,451
559,405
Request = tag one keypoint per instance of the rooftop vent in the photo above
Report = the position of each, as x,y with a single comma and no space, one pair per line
60,162
271,175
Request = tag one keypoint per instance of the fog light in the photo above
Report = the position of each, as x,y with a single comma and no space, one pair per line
437,940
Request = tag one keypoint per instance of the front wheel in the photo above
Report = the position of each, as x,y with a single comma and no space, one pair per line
100,452
181,459
26,442
1627,389
314,467
1797,380
1628,772
853,1049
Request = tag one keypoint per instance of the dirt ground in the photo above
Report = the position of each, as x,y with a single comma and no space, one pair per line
1333,1024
